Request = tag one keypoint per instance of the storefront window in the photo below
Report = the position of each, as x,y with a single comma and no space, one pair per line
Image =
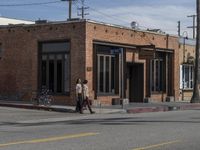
106,78
156,75
187,77
108,70
55,66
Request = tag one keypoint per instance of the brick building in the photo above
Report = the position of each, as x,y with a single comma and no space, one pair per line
186,61
117,61
10,21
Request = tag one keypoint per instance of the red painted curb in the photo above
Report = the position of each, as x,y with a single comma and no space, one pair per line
147,109
163,108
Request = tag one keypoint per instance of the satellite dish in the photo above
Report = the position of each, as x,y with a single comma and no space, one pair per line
134,25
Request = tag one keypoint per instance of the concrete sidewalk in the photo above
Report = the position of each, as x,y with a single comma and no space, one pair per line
131,108
58,108
164,106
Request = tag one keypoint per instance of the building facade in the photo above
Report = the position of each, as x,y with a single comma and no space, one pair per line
118,62
186,61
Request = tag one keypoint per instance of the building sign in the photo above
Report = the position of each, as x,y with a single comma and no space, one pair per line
116,51
89,69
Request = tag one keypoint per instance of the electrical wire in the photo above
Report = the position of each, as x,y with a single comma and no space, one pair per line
105,15
75,2
121,20
29,4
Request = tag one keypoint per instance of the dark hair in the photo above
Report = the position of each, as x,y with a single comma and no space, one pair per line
85,81
77,81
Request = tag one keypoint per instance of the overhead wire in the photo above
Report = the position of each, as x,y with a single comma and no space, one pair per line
30,4
75,2
104,14
121,20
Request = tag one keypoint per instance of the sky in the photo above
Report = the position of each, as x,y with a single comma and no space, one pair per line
152,14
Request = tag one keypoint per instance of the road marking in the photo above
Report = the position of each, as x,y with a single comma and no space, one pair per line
43,140
157,145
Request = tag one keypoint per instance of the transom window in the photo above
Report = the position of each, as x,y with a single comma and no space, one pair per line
55,66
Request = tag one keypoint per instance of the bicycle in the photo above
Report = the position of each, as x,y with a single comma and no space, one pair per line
42,98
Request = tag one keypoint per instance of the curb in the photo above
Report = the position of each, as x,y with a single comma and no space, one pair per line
131,110
35,107
163,108
147,109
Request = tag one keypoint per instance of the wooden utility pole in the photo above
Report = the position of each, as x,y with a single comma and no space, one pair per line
83,8
70,8
195,96
193,26
179,28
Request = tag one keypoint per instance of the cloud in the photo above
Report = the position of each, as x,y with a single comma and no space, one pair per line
164,17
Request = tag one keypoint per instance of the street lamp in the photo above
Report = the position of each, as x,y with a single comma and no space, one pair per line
185,37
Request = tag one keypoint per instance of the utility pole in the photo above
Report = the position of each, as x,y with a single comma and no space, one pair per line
179,28
83,8
193,26
195,96
70,8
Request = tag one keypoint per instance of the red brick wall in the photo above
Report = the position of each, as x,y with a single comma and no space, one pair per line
112,34
19,63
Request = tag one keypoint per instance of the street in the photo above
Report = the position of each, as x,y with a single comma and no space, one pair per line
22,129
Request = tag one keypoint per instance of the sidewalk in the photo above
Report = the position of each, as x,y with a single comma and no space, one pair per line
162,106
58,108
131,108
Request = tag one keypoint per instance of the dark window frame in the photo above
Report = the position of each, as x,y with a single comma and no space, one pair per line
187,77
157,75
1,50
113,53
40,54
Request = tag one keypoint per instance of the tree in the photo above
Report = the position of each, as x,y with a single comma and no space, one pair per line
195,96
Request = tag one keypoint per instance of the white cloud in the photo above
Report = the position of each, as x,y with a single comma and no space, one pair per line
164,17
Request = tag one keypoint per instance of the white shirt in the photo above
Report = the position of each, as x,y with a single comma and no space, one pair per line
78,88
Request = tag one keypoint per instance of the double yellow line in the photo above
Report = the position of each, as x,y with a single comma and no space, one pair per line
51,139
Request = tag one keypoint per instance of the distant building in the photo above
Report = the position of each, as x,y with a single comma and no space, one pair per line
186,61
8,21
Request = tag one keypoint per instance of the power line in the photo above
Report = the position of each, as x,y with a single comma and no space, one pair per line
29,4
117,18
109,16
193,26
83,8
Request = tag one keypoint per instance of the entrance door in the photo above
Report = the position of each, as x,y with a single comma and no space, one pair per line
136,82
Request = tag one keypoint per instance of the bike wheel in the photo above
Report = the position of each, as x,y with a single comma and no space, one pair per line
50,100
34,101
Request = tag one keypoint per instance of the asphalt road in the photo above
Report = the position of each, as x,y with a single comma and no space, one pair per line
40,130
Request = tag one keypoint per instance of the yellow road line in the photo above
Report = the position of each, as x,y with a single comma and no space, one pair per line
49,139
157,145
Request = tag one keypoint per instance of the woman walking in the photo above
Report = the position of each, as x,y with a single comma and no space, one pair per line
86,100
79,96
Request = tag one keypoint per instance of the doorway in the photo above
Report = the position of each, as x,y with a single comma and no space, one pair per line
135,82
